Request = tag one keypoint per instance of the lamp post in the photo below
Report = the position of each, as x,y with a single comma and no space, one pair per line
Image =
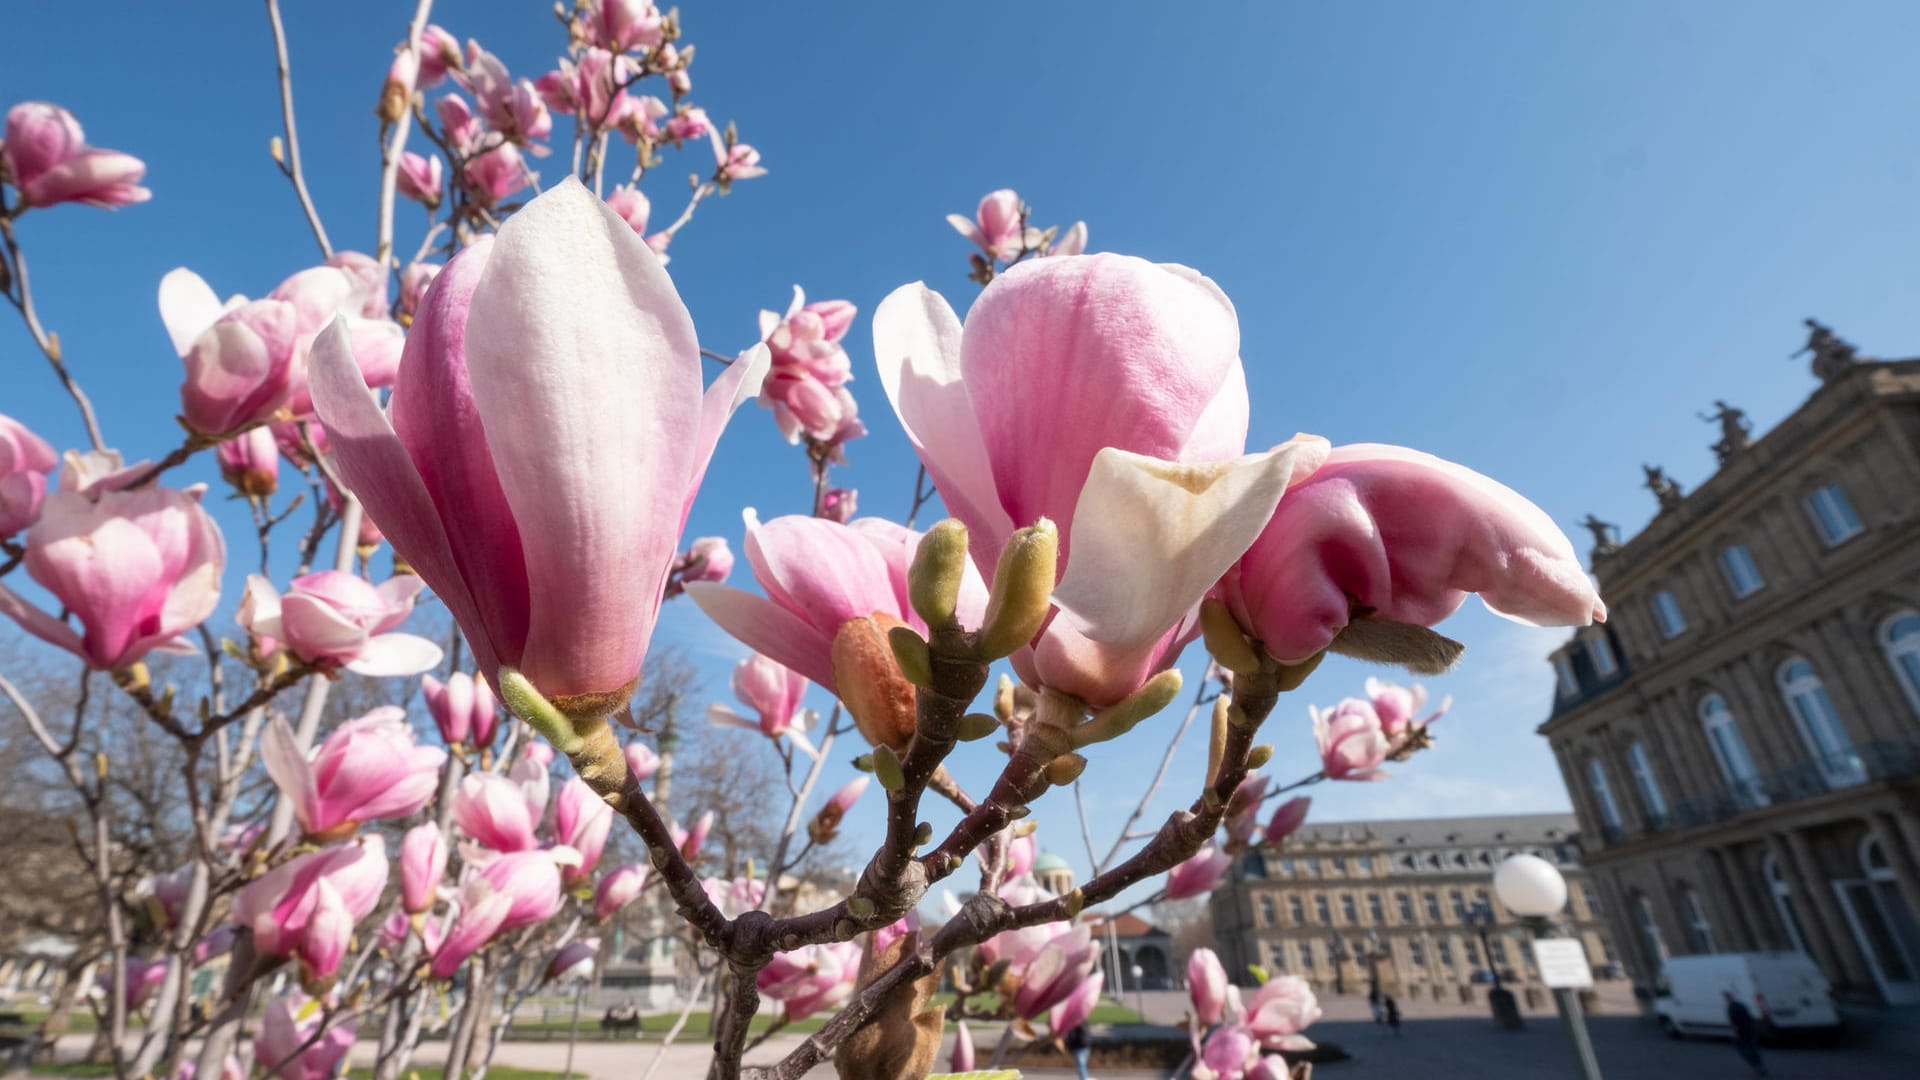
1139,989
1532,889
1337,952
1506,1012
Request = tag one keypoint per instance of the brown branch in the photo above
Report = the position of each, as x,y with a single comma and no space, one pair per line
22,298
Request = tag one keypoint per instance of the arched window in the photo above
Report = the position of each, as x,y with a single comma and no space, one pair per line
1900,640
1650,938
1651,799
1600,651
1730,752
1819,724
1783,902
1603,793
1699,929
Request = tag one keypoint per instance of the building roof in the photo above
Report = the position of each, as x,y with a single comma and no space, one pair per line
1049,861
1443,831
1128,925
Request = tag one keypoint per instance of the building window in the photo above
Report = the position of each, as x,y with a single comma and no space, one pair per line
1269,913
1460,859
1593,900
1730,753
1376,911
1348,909
1699,930
1497,949
1445,951
1900,640
1286,866
1432,905
1881,914
1472,952
1313,865
1783,903
1322,913
1600,651
1666,612
1603,794
1564,678
1649,931
1409,862
1832,514
1819,724
1486,858
1481,900
1277,956
1340,863
1434,861
1741,572
1306,956
1297,911
1651,799
1417,953
1365,862
1405,904
1459,903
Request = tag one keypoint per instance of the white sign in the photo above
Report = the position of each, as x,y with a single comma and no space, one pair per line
1563,963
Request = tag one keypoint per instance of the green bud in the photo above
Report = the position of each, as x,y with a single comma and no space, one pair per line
1212,799
977,726
886,768
1292,675
910,652
1118,719
939,565
1022,591
864,763
529,705
860,907
1076,900
1225,640
1259,755
1217,737
1259,974
1065,769
1019,812
922,834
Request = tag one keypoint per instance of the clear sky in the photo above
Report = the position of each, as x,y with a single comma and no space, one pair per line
1532,238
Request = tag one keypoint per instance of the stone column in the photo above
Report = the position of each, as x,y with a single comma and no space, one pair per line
1727,911
1820,914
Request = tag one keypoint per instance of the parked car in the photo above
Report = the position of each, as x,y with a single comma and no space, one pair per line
1785,990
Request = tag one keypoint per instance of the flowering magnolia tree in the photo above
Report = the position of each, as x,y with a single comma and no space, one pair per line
523,413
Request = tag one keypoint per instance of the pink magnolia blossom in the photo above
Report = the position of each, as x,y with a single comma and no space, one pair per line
334,619
809,367
1059,969
690,841
1021,851
706,559
143,980
420,178
1353,745
1287,818
995,227
45,155
457,122
895,930
735,897
1227,1054
1206,985
826,821
632,205
1269,1067
423,862
840,504
618,889
230,1069
369,769
1403,536
1073,1012
413,285
515,890
168,893
1200,874
463,708
369,277
589,87
278,905
581,820
498,813
287,1047
574,958
518,421
772,691
963,1059
810,978
1243,810
25,461
493,175
737,162
1280,1010
688,122
393,932
218,942
1145,477
1071,242
329,932
642,762
620,25
137,568
250,462
439,54
1399,710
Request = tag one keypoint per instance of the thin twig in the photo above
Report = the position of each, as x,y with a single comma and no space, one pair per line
292,165
22,298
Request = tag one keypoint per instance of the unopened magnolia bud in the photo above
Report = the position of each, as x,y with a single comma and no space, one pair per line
100,765
1225,640
1003,698
1212,800
1075,901
870,682
860,907
1217,737
1292,675
1022,590
864,763
1019,812
1118,719
1065,769
922,834
939,565
886,768
526,702
976,725
910,652
278,149
1024,828
1259,755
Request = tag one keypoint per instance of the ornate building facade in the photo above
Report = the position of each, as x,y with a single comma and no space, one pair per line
1742,738
1400,901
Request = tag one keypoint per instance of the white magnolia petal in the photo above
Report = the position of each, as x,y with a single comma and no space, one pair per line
188,305
389,655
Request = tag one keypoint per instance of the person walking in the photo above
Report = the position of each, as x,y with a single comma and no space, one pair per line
1373,1002
1746,1033
1392,1008
1080,1045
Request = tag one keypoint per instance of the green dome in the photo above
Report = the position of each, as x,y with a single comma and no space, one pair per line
1049,861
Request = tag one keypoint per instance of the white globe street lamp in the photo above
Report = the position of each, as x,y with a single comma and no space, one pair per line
1532,889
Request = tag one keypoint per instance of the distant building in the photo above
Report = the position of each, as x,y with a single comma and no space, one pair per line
1132,942
1343,903
1742,738
1053,873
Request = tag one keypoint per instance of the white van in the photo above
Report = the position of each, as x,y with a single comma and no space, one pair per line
1785,990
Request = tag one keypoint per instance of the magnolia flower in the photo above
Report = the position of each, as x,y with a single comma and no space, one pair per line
1199,874
1280,1010
632,206
1399,710
143,980
810,978
46,156
1073,1012
840,504
137,568
826,823
498,813
413,285
548,433
230,1069
706,559
963,1057
1071,242
574,958
1021,852
772,691
1055,973
463,708
1400,537
279,905
1353,744
168,893
808,366
367,770
736,162
25,461
1242,818
620,25
514,890
690,841
1227,1054
1287,818
618,889
288,1046
642,762
420,178
423,862
832,593
996,226
581,820
737,896
250,462
332,619
1206,985
688,122
1145,479
493,175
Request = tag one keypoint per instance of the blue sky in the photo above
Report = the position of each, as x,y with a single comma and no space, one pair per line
1532,238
